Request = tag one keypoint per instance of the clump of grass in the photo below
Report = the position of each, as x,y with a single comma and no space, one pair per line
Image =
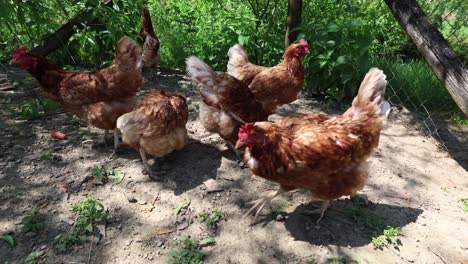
415,80
465,204
10,239
383,235
211,218
33,221
88,212
33,109
389,236
50,156
113,173
188,251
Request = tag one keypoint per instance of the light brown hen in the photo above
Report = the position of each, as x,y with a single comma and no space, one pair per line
322,154
273,86
157,126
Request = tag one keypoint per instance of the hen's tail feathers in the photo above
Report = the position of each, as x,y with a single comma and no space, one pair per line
370,98
204,77
131,125
237,59
128,55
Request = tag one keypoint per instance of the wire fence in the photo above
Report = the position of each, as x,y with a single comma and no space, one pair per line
415,110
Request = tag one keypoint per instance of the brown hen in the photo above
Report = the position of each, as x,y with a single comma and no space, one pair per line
227,102
157,126
149,41
273,86
97,97
322,154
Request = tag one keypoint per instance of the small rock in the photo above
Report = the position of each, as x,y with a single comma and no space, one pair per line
143,202
182,226
159,243
212,186
132,199
43,247
119,226
30,234
280,217
107,242
19,222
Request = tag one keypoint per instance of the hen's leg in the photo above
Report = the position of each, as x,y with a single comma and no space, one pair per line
238,154
261,203
321,210
116,144
145,163
153,175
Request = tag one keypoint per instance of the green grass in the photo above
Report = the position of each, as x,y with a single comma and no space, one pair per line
382,235
465,204
88,212
211,218
188,251
113,173
415,79
33,221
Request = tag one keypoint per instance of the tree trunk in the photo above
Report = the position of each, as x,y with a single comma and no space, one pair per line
60,37
294,21
446,65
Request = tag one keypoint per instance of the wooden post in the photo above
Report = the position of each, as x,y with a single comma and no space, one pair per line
445,64
60,37
294,21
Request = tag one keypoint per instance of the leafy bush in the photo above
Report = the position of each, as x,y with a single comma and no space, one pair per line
339,58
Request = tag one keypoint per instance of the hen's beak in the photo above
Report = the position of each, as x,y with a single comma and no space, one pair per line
239,144
13,62
307,51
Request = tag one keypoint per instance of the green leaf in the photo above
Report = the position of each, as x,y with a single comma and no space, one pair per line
340,60
207,241
89,228
181,205
10,239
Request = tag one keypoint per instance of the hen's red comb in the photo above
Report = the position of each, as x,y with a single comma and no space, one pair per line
304,43
246,128
19,51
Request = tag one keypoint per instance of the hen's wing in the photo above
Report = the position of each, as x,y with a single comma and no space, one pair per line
224,92
276,86
239,65
122,80
158,115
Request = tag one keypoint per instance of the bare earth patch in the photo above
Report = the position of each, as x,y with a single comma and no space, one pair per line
413,185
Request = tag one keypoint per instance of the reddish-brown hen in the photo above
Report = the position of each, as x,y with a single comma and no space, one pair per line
227,102
97,97
322,154
157,126
273,86
150,41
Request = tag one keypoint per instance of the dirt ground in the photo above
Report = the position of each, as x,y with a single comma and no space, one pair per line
413,185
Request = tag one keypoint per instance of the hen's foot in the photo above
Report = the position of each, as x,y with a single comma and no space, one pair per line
154,175
238,154
320,211
261,203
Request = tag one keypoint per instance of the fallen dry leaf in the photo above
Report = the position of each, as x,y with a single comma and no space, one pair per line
165,232
57,135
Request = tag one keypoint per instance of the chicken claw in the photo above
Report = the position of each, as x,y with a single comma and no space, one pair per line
261,203
152,174
238,154
320,211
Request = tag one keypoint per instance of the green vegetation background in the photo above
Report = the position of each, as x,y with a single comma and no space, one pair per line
346,38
